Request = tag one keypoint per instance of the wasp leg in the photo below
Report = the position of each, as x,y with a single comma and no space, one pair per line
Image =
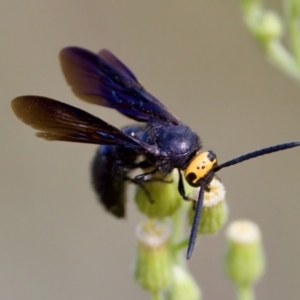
181,189
141,185
153,179
145,177
150,177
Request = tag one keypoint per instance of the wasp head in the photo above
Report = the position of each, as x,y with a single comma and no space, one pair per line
200,167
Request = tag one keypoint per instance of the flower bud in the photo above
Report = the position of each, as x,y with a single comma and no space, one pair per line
251,7
244,258
153,269
268,27
164,201
183,286
214,211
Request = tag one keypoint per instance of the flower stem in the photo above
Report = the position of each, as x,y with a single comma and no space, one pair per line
177,235
293,14
181,245
245,292
281,58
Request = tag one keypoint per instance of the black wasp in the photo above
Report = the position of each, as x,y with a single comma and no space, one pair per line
161,139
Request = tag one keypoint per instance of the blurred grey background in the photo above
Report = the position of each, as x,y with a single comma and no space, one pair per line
199,60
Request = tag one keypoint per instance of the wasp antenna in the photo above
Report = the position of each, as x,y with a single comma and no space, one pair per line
256,154
196,222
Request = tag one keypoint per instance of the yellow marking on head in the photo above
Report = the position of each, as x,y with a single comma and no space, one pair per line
199,167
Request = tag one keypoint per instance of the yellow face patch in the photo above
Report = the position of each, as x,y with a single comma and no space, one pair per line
199,167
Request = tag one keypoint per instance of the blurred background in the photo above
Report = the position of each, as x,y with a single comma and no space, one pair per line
199,60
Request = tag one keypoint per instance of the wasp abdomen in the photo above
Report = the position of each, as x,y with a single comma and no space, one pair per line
108,181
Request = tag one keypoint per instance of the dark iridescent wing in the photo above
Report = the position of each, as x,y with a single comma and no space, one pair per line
62,122
103,79
108,56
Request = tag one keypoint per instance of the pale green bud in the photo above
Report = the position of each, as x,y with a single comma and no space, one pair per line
244,258
268,27
153,270
214,211
165,198
251,7
183,286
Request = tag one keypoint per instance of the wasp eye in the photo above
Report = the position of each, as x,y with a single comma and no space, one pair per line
190,178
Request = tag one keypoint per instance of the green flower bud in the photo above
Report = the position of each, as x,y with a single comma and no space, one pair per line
153,269
165,198
251,7
244,258
214,211
268,27
183,286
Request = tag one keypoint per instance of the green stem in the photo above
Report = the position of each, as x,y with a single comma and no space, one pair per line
293,13
177,235
281,58
245,292
181,245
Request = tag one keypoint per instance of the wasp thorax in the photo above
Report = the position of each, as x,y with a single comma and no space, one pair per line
199,167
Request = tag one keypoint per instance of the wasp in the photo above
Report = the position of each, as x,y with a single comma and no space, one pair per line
159,142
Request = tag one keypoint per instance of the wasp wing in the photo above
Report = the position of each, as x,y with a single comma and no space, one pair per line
103,79
112,59
62,122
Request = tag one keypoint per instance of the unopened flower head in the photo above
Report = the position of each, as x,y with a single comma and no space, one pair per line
216,193
243,232
214,210
244,257
159,198
153,261
268,27
251,7
151,234
183,286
